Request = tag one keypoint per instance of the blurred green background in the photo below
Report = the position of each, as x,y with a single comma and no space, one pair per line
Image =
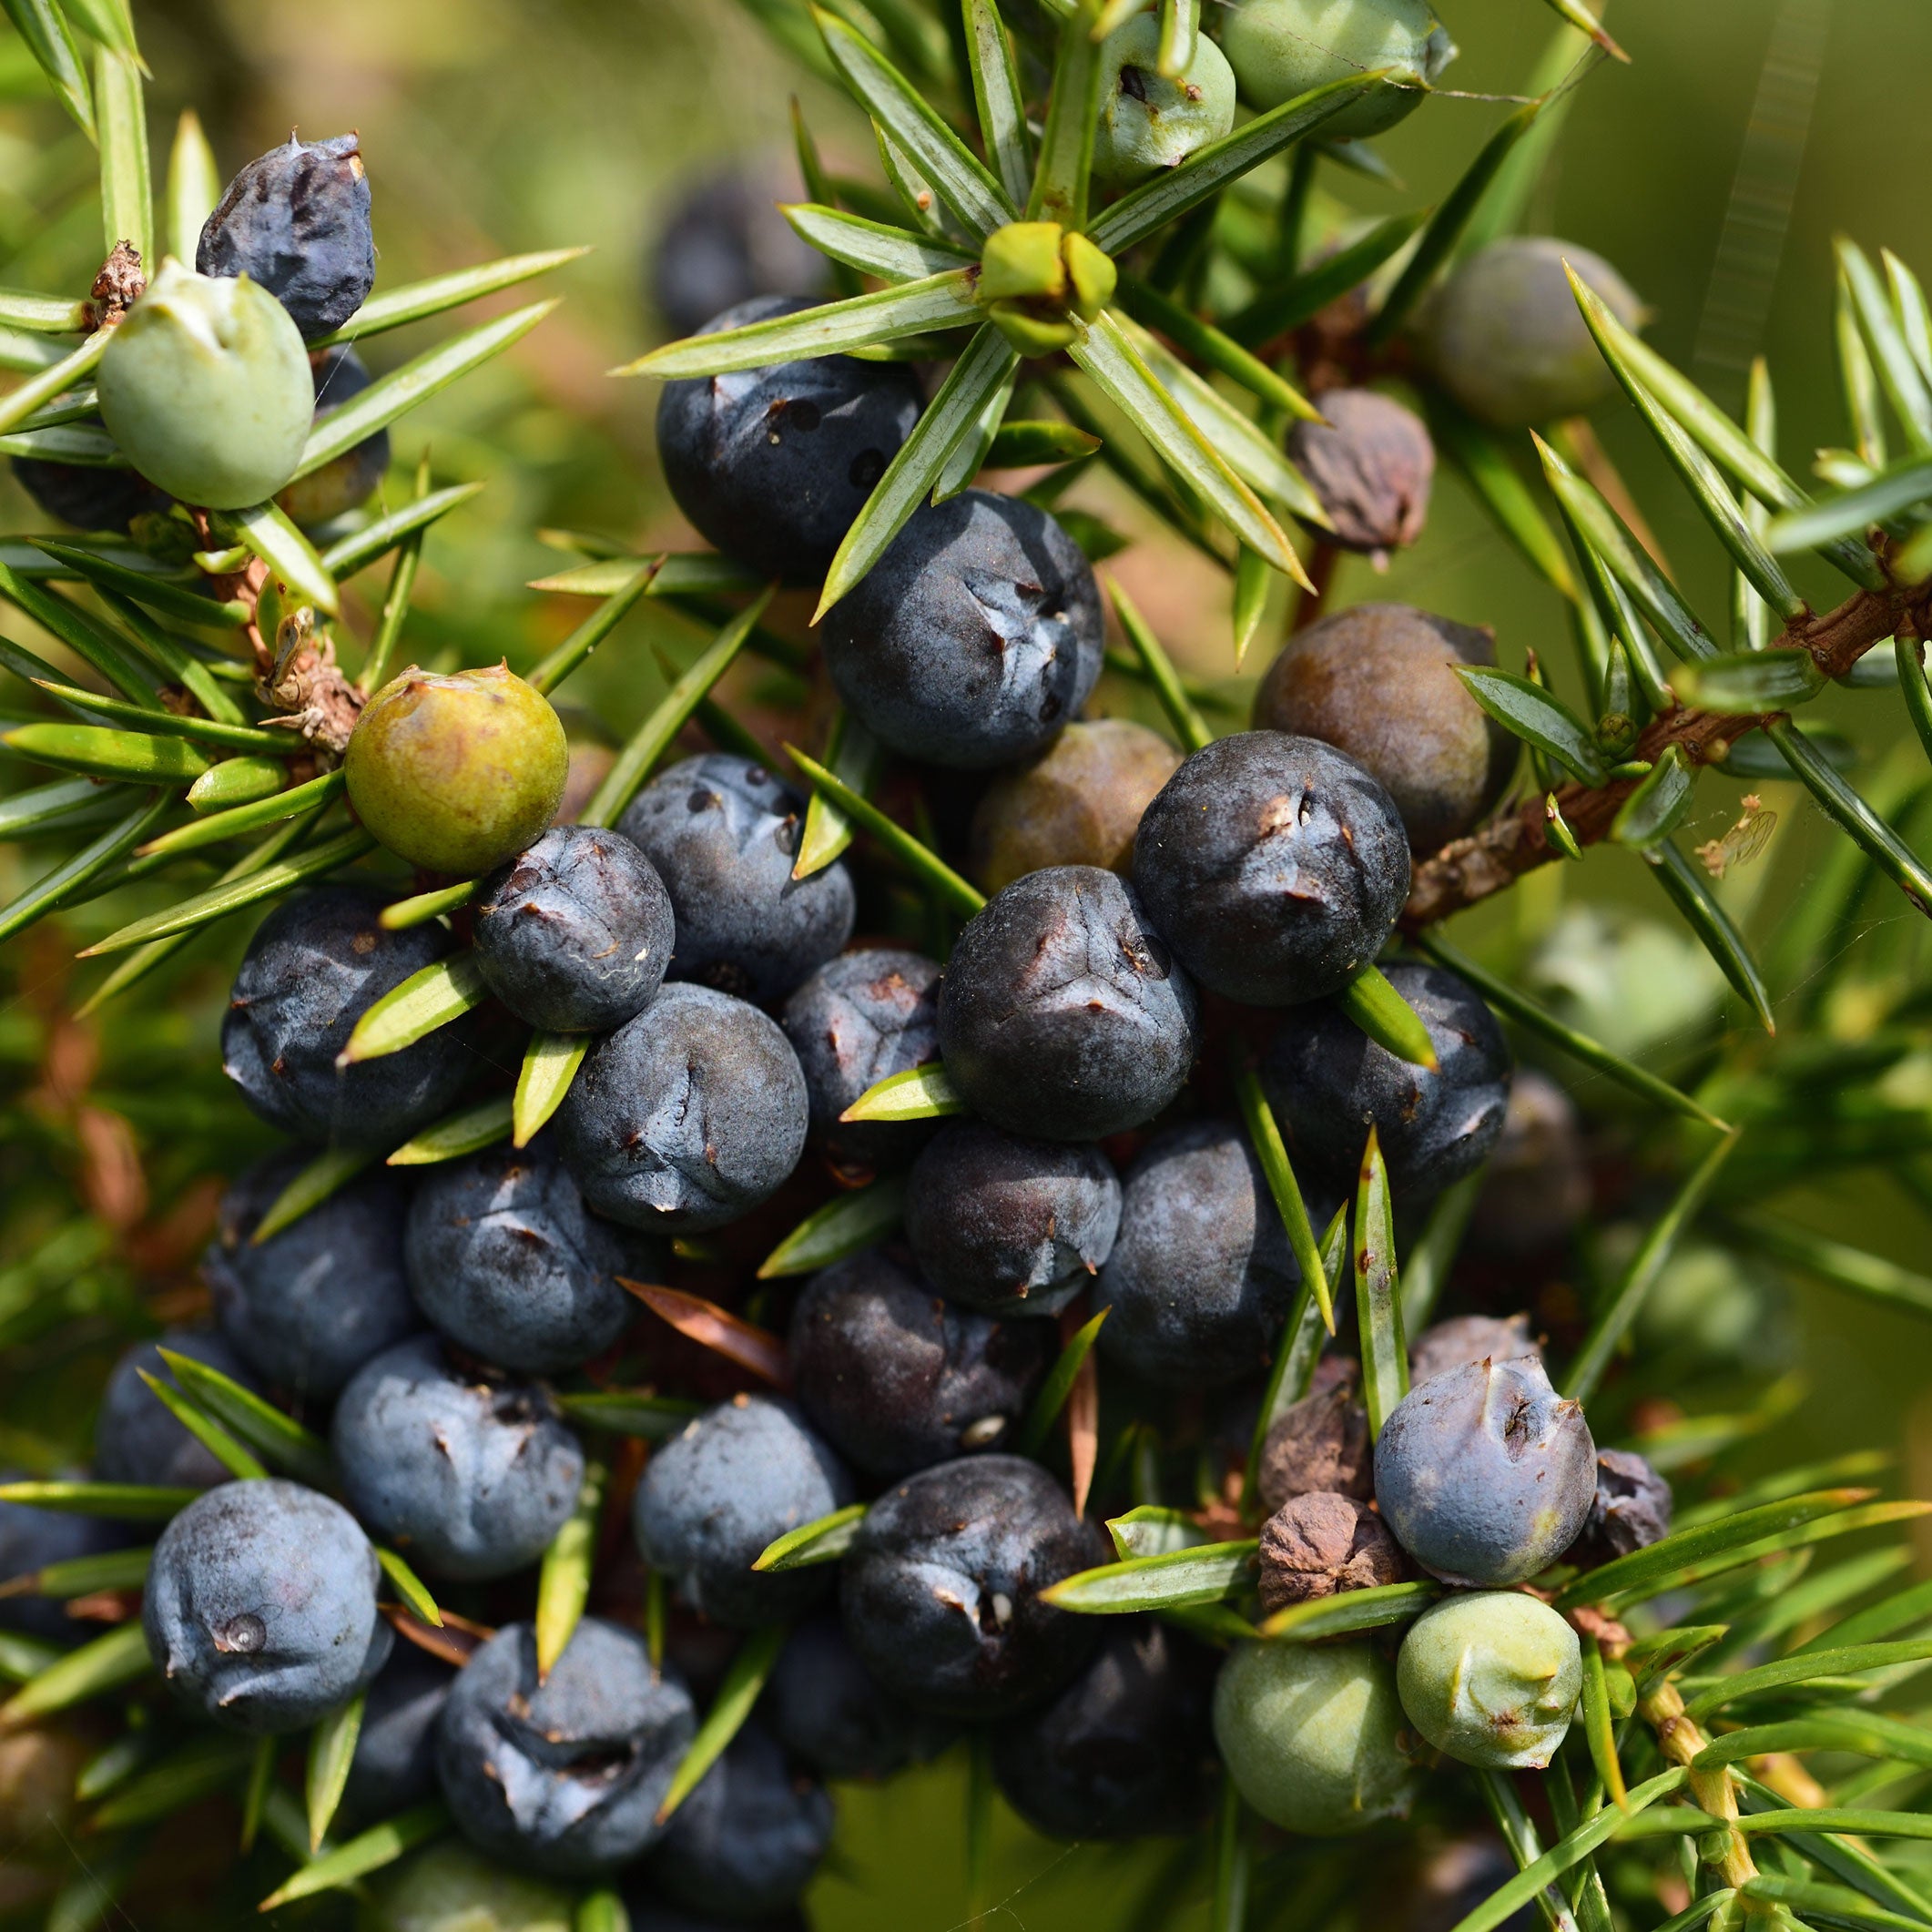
1713,171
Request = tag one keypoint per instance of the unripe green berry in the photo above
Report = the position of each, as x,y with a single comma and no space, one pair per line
1505,337
1308,1732
204,386
457,773
1148,122
451,1888
1491,1676
1281,48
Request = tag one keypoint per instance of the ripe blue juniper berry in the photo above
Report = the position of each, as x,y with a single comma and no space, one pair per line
735,1480
723,835
31,1538
1013,1226
859,1019
135,1440
1063,1013
687,1116
562,1773
472,1473
1125,1750
941,1594
976,638
394,1765
748,1837
829,1712
724,244
88,498
1329,1084
1484,1474
897,1377
1200,1275
772,464
508,1262
1276,866
1536,1187
297,221
308,1305
576,934
315,966
261,1607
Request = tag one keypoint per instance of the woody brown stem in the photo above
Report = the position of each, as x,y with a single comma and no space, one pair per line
1497,854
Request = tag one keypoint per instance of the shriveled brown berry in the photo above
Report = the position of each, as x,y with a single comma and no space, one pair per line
1379,681
1322,1443
1334,1370
1466,1339
1079,803
1317,1545
1371,464
1632,1510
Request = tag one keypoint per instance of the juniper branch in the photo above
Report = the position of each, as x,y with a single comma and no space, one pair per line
1470,869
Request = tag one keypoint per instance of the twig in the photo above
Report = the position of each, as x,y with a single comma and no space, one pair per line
1468,869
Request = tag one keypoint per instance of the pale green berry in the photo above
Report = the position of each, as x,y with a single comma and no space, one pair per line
1505,337
204,386
451,1888
1308,1734
1281,48
1148,122
457,773
1491,1676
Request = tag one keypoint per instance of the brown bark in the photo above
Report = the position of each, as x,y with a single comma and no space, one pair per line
1492,857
